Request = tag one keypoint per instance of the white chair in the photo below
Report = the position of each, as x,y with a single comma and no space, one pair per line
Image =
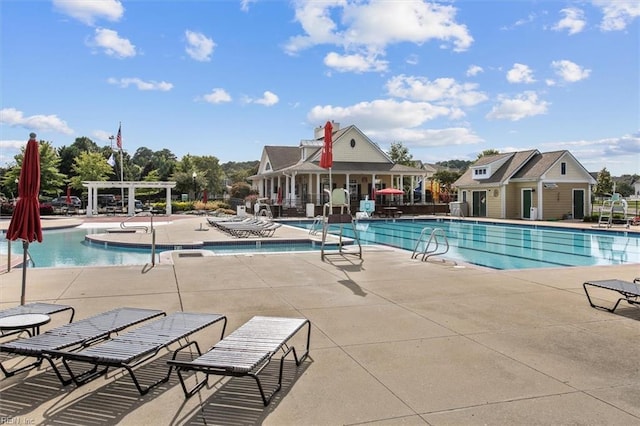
339,197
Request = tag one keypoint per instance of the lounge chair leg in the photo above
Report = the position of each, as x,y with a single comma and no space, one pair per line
9,373
188,393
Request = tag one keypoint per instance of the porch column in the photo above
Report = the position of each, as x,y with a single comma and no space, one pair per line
292,190
89,211
168,208
412,185
318,195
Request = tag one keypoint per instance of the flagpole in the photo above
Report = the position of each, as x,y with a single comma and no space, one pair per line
119,144
121,180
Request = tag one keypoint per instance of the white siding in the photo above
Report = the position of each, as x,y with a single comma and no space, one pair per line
575,172
363,152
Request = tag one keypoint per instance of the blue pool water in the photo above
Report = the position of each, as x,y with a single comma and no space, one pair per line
502,246
68,248
495,246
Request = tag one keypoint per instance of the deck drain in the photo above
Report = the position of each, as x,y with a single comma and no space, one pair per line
195,254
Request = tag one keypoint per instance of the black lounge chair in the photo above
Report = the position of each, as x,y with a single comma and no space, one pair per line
630,291
132,348
246,352
248,227
34,308
74,335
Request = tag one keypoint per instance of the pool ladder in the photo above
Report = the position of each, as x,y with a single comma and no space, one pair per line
317,225
436,244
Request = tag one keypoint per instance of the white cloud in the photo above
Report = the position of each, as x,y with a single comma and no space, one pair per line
88,12
354,63
569,71
444,91
573,21
217,96
419,138
413,59
520,73
199,46
617,14
620,152
474,70
268,99
372,26
49,123
380,115
244,4
113,44
386,121
162,86
524,105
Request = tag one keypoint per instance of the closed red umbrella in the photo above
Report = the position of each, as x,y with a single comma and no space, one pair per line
279,195
68,201
326,160
205,196
25,222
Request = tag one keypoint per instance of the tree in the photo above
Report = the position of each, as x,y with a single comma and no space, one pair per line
399,154
90,166
604,183
460,165
240,171
446,178
624,189
51,180
212,174
69,154
488,152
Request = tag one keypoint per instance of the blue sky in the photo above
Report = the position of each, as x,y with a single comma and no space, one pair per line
448,79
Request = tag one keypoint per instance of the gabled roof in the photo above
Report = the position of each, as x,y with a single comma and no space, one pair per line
281,157
539,165
288,159
523,166
338,134
514,162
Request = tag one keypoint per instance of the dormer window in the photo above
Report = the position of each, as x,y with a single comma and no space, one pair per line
481,173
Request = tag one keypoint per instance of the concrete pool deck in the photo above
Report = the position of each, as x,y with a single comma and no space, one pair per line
393,340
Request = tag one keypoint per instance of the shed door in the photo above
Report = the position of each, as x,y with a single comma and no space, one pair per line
526,204
578,203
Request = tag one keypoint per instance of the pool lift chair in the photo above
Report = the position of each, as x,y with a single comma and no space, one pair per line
616,204
338,198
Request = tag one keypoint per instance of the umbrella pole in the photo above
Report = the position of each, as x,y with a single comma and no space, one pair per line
25,251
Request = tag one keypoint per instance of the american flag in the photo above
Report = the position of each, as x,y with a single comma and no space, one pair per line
119,137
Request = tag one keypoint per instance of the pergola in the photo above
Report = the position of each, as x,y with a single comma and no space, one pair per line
130,186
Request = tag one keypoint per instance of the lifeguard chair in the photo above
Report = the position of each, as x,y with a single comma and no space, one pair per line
338,199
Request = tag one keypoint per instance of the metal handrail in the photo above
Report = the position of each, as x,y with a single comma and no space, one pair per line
147,229
435,237
123,224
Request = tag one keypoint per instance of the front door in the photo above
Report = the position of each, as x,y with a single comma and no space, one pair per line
479,208
578,203
526,204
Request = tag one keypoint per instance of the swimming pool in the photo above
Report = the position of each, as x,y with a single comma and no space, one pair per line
68,248
505,246
497,246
